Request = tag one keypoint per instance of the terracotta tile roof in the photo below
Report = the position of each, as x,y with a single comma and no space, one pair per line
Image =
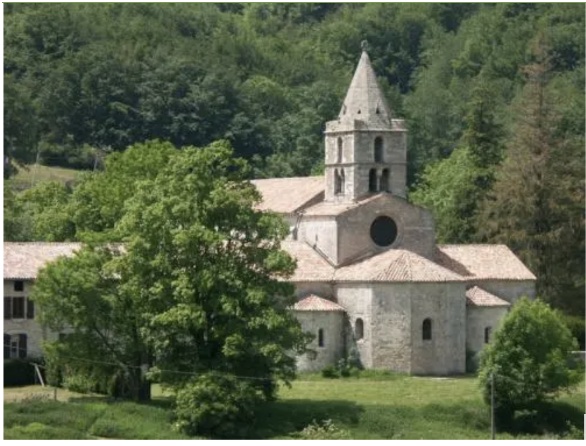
287,195
396,265
316,303
328,208
24,260
483,262
477,297
311,267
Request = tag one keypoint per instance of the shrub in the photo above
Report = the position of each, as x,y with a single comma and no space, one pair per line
577,327
326,430
529,359
214,405
330,371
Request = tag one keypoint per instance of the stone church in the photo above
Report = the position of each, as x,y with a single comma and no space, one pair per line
370,278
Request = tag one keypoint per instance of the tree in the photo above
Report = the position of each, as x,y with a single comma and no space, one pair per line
448,189
537,203
103,349
208,268
528,357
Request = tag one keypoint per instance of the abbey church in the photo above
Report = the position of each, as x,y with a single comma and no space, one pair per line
370,278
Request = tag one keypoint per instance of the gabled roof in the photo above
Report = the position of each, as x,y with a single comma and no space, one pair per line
316,303
483,262
326,208
311,267
477,297
287,195
365,100
23,261
395,265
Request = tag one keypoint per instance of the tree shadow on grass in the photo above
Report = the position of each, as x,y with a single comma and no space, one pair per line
283,418
556,418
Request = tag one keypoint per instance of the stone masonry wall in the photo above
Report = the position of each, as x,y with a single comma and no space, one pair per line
445,305
357,300
509,290
415,228
332,324
478,318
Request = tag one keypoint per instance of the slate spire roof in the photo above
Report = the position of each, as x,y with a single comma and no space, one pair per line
365,100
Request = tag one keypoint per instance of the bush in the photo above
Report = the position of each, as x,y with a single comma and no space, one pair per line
529,359
19,372
577,327
220,406
330,371
327,430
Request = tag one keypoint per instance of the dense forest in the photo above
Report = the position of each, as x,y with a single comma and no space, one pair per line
493,95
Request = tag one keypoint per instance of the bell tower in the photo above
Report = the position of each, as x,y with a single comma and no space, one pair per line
365,148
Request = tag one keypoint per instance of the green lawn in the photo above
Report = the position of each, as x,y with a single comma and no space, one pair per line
376,407
33,174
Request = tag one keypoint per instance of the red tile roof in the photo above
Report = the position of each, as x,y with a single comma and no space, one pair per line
316,303
483,262
24,260
477,297
287,195
395,265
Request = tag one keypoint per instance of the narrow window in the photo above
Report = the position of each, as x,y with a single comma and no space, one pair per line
30,309
320,337
342,182
19,285
337,182
426,330
22,346
8,308
378,150
384,181
18,308
340,149
359,329
13,347
372,180
6,346
487,333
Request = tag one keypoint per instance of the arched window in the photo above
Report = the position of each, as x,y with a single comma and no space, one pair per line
426,330
342,182
340,150
385,181
378,149
337,182
487,333
320,337
372,180
359,329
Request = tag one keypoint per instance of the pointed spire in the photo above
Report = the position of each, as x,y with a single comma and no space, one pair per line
364,99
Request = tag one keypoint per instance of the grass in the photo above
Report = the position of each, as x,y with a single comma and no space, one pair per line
36,173
375,406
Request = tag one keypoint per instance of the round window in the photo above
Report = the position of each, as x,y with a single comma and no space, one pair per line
383,231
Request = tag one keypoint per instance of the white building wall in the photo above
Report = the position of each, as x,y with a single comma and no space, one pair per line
478,318
357,300
509,290
332,324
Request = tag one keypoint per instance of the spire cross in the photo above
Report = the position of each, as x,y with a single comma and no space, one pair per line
364,45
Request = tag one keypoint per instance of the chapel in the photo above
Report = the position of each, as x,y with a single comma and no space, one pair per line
371,280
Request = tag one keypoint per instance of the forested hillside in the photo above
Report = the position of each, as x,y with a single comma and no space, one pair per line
493,96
